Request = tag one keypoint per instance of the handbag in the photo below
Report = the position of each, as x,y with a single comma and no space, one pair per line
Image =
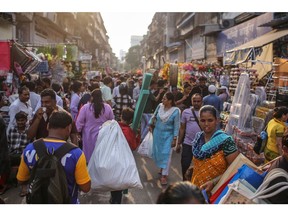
261,142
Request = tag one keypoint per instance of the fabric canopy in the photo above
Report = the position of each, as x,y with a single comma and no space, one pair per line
252,48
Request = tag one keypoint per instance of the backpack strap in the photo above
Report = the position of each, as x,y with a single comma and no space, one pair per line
63,149
40,147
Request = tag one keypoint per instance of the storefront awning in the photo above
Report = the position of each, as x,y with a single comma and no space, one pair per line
249,50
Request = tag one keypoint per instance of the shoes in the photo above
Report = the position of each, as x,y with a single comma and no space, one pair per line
163,180
160,171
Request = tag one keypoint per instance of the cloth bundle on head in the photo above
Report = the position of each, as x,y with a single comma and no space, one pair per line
226,89
212,89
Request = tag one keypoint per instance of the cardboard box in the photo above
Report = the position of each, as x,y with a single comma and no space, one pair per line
282,65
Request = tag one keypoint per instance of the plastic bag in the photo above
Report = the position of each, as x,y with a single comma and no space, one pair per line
112,165
145,148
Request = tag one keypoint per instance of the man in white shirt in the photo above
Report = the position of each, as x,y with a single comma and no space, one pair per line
137,89
34,97
20,104
106,90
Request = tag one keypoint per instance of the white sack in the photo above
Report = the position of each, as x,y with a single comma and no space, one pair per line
112,165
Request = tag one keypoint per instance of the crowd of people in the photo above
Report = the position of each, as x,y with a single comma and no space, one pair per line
185,119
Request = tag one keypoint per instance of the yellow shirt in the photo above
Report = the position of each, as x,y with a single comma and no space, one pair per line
275,129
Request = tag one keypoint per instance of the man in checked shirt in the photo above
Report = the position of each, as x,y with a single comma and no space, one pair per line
17,141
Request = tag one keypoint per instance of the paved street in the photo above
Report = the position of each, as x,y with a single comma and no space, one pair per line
148,195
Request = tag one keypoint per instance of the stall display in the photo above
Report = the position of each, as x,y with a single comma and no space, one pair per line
235,75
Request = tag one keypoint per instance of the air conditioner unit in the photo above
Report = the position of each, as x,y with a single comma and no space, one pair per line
227,23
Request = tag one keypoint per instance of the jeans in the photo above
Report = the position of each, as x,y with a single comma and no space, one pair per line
186,158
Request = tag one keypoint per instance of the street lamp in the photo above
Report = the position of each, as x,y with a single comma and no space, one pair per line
143,59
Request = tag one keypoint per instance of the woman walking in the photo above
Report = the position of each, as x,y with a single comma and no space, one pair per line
91,116
165,134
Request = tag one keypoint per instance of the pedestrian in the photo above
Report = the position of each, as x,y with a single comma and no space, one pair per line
212,99
133,141
188,129
106,90
165,134
213,151
201,88
77,89
59,128
184,101
122,101
276,129
224,94
4,158
20,104
17,141
91,116
38,128
181,193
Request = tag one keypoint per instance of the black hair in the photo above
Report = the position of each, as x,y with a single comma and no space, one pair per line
123,89
47,80
202,78
48,92
76,86
30,85
209,108
59,119
170,96
56,87
160,83
93,86
186,85
279,111
181,193
21,115
107,80
127,114
22,89
97,102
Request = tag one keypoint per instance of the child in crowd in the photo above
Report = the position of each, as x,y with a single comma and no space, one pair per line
133,141
17,141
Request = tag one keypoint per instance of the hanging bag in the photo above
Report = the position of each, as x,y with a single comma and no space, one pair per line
146,146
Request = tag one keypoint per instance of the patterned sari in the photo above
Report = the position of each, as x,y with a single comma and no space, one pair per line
209,158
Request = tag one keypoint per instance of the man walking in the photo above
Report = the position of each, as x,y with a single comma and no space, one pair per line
188,129
73,162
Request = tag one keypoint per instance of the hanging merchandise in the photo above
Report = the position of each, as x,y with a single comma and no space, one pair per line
72,52
24,57
60,50
5,56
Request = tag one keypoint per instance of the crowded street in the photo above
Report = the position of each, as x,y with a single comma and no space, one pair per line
194,110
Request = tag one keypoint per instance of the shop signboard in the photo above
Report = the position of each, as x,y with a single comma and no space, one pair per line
242,33
198,50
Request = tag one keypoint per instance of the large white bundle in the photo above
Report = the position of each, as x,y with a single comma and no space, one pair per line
112,165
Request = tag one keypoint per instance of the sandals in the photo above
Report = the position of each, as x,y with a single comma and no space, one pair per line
163,180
